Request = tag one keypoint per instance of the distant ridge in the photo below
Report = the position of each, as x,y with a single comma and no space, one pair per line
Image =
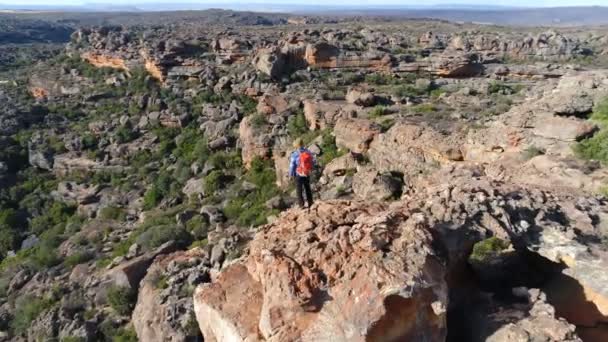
488,14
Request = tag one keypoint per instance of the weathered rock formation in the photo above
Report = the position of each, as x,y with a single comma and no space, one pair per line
324,277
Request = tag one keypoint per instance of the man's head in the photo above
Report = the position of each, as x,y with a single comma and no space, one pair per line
298,143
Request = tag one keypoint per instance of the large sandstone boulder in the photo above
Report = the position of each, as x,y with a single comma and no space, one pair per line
355,134
373,185
270,61
360,97
255,142
344,272
164,311
323,114
413,149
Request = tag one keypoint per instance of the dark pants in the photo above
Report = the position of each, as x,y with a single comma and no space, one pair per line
303,184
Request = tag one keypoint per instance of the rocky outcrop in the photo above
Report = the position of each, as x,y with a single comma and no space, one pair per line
355,134
282,289
323,114
164,310
411,149
256,143
105,61
360,96
270,61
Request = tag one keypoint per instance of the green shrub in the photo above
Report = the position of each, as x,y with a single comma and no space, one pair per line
329,149
385,125
380,79
122,299
9,217
595,148
125,335
532,151
425,108
488,248
409,90
251,210
502,88
125,134
156,236
197,227
8,240
73,339
161,188
159,280
297,125
226,160
213,181
377,112
44,256
57,213
77,259
258,120
27,309
248,104
112,213
192,146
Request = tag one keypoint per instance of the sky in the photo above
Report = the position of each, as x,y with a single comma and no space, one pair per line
523,3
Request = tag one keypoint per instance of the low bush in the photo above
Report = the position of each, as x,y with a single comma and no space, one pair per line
297,125
596,147
77,259
112,213
122,299
125,134
330,150
378,111
532,151
488,248
27,309
156,236
251,210
258,120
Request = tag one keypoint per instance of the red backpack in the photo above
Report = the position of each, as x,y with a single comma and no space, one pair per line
305,164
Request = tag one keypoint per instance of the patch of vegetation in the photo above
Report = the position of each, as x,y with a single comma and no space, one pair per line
409,90
27,309
258,120
385,125
532,151
122,299
329,148
77,259
488,248
425,108
112,213
381,79
159,281
162,187
378,111
251,210
125,134
596,147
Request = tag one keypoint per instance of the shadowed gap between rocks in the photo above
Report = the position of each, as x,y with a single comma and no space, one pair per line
476,293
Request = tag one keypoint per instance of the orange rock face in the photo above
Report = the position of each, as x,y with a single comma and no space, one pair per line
155,71
327,56
104,61
39,93
343,271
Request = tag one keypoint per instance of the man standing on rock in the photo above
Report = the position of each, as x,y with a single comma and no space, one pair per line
301,165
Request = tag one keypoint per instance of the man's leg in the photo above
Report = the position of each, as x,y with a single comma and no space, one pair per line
308,191
299,190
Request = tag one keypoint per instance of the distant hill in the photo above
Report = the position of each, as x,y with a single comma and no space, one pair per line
490,14
558,16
